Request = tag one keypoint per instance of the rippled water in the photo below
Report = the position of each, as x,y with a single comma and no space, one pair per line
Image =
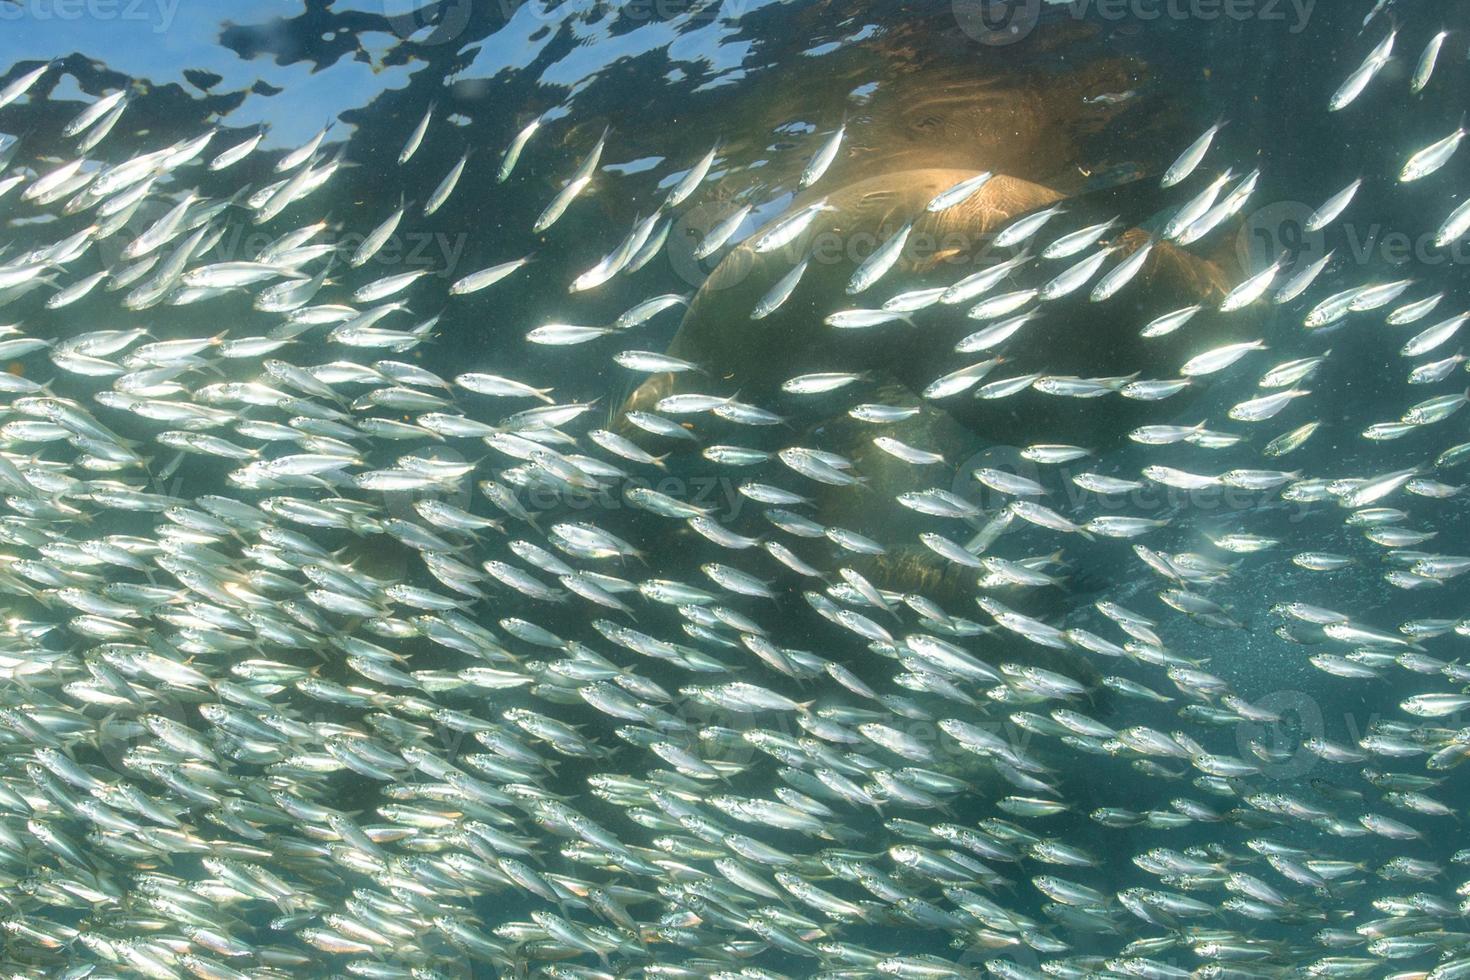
1084,95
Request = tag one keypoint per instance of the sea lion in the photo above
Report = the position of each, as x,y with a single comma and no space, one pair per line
1071,337
751,358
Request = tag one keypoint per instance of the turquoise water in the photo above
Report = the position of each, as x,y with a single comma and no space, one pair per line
1093,100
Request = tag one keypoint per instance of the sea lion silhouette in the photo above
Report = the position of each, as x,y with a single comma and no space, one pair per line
751,358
